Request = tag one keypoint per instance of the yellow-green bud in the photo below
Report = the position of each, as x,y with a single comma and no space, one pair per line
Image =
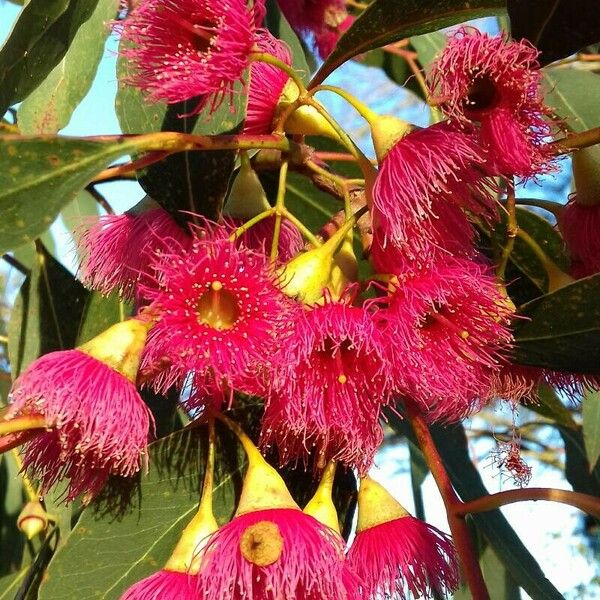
33,519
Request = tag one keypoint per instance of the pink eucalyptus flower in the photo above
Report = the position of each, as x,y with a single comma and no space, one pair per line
271,554
329,388
404,556
425,169
580,228
221,316
322,18
450,234
164,585
260,236
181,49
450,331
97,423
496,82
266,85
116,250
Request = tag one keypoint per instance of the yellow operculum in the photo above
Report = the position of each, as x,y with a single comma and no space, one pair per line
187,555
305,120
120,346
376,505
33,519
386,131
263,487
321,505
247,197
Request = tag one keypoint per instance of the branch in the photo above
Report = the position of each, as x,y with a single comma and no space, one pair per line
584,502
13,262
575,141
458,526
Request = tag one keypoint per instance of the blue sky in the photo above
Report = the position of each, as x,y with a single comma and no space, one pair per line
547,529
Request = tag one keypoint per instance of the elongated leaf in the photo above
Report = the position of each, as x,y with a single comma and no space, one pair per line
523,257
9,584
50,106
591,426
577,468
37,43
561,331
428,46
278,25
555,27
46,314
573,95
41,175
99,313
387,21
551,407
104,555
195,182
12,541
452,445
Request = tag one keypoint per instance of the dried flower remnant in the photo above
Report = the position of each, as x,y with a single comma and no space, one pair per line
182,49
495,82
97,423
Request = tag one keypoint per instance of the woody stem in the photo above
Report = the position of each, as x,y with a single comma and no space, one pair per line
23,423
458,525
584,502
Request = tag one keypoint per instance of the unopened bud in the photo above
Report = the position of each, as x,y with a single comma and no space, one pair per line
33,519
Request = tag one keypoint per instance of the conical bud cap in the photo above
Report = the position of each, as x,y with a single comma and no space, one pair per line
376,505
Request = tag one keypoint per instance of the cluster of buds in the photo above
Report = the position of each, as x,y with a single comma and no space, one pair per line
273,549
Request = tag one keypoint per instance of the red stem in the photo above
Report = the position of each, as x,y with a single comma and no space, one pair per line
458,526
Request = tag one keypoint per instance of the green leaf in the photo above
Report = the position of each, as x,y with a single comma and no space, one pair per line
108,551
452,444
197,181
428,46
278,25
573,94
46,314
591,426
577,468
499,581
12,541
555,28
561,330
41,175
9,584
387,21
99,313
38,41
523,257
50,106
84,205
550,406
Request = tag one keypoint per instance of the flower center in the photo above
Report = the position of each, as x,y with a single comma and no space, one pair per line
262,544
437,315
202,29
482,95
218,308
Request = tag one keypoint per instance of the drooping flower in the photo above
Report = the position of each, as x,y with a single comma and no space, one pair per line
450,330
426,168
181,49
580,227
449,234
221,316
164,585
97,423
271,549
495,82
395,554
266,85
327,37
328,393
116,250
